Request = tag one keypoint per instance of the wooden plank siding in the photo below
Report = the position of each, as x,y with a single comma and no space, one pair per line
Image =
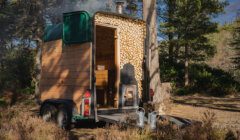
65,71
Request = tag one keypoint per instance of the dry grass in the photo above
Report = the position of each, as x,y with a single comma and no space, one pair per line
168,131
16,123
224,119
116,132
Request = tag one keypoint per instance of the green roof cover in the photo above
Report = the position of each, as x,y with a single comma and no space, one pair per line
76,28
53,32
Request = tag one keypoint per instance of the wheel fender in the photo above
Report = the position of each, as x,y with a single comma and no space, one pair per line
57,102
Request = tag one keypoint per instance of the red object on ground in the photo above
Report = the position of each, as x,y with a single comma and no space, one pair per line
151,92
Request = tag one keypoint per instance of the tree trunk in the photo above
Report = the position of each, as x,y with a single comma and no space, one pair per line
176,53
186,76
170,12
170,37
152,53
38,70
176,56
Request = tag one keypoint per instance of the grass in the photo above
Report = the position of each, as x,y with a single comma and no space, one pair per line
166,131
16,123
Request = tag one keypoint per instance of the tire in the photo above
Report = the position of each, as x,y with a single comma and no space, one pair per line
48,113
63,118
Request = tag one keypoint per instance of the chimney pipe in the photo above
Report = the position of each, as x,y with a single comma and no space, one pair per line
119,6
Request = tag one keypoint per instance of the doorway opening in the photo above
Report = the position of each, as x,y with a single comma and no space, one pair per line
106,69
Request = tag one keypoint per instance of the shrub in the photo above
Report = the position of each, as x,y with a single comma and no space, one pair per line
16,124
203,79
17,69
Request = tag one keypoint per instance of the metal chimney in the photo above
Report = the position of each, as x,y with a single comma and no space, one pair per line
119,6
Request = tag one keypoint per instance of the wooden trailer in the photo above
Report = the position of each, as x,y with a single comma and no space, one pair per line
91,65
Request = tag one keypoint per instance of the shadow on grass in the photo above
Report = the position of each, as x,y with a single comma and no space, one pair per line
227,104
85,129
91,124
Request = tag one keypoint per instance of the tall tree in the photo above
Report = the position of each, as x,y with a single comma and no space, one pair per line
191,22
23,23
168,25
152,52
195,18
132,8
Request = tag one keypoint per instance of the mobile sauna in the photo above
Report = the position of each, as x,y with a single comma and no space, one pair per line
91,66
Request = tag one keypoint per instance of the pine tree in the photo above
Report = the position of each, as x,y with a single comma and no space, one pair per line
168,25
132,7
190,23
22,22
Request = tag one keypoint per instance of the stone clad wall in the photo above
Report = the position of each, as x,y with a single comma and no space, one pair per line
132,37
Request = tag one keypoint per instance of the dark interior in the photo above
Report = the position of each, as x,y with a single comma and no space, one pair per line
105,67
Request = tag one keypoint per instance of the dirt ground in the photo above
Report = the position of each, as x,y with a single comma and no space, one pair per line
223,103
224,119
226,109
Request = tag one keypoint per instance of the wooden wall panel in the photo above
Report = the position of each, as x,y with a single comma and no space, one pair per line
83,81
74,94
65,71
52,47
63,91
65,62
70,68
105,47
66,74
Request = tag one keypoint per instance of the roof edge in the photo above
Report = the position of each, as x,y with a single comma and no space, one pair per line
120,15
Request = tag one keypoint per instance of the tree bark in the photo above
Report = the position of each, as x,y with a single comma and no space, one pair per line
170,37
186,76
152,53
176,53
38,65
176,56
171,9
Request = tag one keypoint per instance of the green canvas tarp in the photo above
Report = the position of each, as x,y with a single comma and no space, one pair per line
76,28
53,32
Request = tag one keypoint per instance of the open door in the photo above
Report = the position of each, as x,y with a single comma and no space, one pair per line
106,67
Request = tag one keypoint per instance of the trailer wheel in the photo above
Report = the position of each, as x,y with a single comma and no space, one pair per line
48,112
63,117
